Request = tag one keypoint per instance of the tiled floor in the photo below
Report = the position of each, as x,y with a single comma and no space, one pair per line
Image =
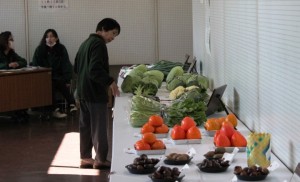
41,151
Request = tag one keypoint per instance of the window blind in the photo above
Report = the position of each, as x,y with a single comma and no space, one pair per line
260,44
279,45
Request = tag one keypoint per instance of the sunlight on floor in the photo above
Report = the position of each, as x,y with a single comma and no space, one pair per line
67,158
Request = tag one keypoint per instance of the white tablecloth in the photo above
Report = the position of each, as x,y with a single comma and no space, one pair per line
123,138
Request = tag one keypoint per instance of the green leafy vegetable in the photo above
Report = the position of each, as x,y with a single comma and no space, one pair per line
191,103
141,109
176,71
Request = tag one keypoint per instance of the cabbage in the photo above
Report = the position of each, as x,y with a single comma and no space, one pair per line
128,83
155,74
175,83
193,80
176,71
203,81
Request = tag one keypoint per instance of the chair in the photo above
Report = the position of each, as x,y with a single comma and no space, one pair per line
186,63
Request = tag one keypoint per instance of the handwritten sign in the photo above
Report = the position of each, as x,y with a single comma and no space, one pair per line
53,5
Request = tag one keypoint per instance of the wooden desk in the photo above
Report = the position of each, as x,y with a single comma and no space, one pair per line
25,88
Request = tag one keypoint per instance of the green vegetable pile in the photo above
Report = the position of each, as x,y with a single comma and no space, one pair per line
145,81
177,77
165,66
141,109
191,103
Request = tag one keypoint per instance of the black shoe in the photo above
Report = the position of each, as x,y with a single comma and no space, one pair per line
102,165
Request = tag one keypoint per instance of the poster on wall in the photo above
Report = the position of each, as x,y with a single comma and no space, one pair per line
53,5
207,26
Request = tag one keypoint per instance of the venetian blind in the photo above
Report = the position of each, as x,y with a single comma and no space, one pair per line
279,55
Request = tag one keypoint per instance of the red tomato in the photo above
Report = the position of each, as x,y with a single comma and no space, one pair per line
141,145
193,133
238,140
177,133
187,123
216,136
227,130
155,120
222,141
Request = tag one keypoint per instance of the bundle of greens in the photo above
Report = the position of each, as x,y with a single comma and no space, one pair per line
141,109
191,103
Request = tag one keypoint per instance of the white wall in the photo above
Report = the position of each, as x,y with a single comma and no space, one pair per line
175,37
255,51
12,19
151,30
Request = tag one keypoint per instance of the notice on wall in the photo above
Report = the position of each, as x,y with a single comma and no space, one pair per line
53,5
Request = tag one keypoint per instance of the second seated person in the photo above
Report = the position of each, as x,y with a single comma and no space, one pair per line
52,54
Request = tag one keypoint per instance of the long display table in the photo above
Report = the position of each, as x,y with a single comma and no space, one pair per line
124,138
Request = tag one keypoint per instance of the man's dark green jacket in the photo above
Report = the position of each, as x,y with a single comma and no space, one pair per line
92,69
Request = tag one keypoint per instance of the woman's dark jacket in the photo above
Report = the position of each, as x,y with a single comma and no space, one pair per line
12,56
56,58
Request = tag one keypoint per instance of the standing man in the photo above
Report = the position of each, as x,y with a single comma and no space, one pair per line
93,81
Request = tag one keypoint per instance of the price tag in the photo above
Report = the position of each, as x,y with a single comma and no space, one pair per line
274,165
191,152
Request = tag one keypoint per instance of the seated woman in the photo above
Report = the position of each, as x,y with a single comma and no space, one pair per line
52,54
9,59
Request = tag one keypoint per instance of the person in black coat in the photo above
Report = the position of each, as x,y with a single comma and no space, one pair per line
52,54
93,82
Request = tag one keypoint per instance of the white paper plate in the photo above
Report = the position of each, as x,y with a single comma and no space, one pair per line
230,149
147,152
161,135
186,141
150,152
211,133
158,135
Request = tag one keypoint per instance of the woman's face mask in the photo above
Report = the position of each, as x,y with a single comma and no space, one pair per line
51,39
11,44
50,42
